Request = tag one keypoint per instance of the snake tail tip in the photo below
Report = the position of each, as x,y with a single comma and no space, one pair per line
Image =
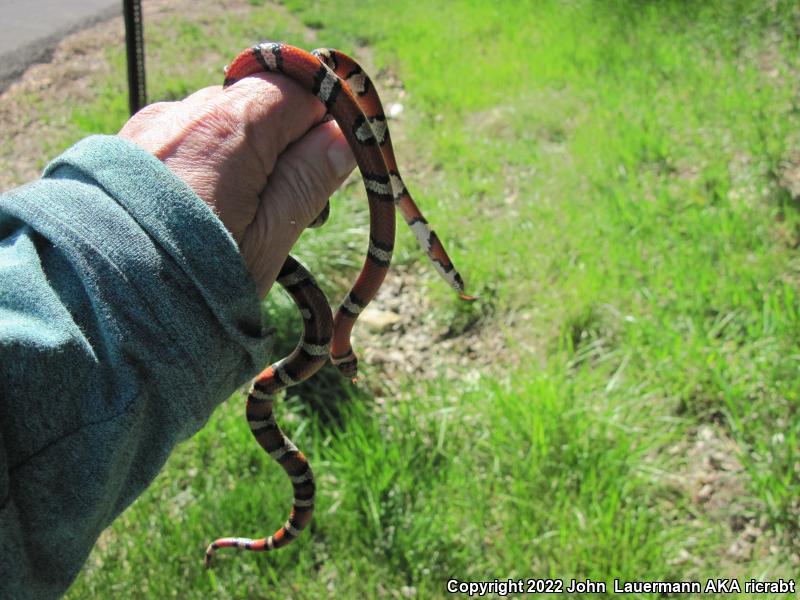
467,297
209,555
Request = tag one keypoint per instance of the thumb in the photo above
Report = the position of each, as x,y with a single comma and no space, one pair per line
304,177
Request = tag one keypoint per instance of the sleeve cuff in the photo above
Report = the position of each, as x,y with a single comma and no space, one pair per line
177,220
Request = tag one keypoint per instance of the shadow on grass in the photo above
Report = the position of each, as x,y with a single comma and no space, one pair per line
326,393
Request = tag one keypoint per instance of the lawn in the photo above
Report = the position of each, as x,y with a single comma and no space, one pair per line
619,184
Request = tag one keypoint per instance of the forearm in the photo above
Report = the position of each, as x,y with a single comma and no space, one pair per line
126,316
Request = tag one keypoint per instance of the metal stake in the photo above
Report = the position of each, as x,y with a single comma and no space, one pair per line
134,43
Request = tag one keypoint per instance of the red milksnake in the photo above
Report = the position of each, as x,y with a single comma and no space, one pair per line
350,98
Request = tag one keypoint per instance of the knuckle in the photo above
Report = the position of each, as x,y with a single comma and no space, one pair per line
153,110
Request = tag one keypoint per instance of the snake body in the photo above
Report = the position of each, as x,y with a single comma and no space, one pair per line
351,99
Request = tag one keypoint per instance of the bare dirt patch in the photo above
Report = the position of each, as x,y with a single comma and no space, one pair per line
400,338
789,176
715,481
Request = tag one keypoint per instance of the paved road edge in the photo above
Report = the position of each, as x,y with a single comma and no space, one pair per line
14,64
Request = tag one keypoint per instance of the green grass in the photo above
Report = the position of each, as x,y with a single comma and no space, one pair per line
608,177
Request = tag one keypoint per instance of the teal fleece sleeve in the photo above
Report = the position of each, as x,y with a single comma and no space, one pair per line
126,316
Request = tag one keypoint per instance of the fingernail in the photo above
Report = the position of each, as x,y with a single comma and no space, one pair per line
341,157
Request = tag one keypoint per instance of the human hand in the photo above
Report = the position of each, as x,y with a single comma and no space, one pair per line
257,154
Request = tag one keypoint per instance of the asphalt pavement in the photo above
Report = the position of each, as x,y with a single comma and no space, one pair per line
31,29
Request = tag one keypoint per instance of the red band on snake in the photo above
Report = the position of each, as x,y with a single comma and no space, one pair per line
351,99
